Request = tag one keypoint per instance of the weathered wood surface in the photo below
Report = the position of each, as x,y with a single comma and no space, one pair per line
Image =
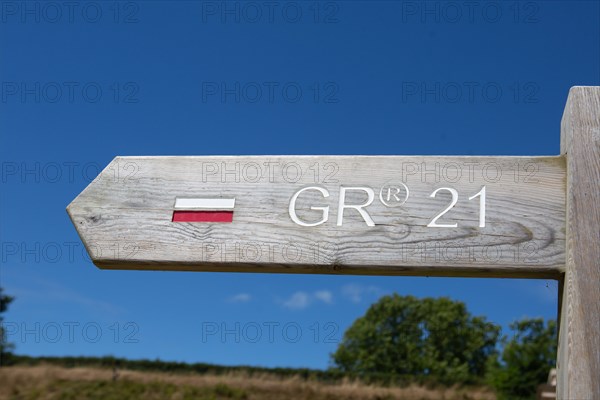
579,335
124,216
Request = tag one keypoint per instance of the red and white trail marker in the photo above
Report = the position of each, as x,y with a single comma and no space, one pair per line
203,210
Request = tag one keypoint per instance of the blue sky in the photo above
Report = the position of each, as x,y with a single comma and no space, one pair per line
83,82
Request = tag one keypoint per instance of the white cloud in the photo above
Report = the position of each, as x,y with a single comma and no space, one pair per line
301,300
324,295
355,293
240,298
298,301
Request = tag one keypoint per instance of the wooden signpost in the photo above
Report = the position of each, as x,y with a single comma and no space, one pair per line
534,217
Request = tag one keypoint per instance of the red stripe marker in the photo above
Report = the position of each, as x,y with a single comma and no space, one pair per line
203,210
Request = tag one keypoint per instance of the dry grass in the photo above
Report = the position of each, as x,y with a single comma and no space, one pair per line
53,382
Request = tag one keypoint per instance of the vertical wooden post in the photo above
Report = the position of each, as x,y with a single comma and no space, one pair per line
579,332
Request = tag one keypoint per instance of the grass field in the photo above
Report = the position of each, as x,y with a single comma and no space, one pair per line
55,382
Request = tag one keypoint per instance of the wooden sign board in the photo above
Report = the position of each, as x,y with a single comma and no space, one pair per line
533,217
378,215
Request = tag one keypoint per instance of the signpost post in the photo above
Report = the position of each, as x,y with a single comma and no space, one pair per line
533,217
578,365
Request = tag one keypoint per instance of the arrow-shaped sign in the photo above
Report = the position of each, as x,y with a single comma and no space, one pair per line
471,216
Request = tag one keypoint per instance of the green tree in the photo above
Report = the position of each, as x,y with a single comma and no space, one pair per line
404,335
5,347
526,359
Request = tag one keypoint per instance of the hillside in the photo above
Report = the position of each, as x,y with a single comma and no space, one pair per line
50,382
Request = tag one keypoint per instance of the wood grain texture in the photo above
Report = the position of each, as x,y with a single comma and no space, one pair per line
124,216
579,335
